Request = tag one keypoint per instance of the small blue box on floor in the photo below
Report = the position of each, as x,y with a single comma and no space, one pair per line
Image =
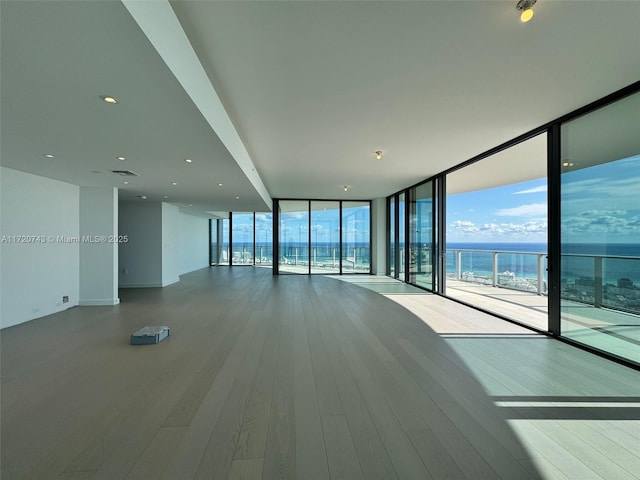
149,335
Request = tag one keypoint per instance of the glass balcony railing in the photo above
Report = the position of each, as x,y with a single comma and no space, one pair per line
607,281
602,281
525,271
354,259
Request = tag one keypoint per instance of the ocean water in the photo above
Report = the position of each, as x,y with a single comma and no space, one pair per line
579,260
523,262
321,253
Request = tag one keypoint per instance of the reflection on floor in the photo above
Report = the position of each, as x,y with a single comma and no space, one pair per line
577,414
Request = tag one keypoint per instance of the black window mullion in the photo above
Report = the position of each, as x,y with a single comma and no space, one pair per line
340,240
554,173
309,238
275,240
442,235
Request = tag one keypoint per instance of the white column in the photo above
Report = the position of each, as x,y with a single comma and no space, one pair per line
98,246
379,236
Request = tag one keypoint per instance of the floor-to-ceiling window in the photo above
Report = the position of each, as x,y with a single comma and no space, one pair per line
325,237
356,237
401,239
242,239
294,236
543,230
214,254
496,233
224,245
600,229
391,205
421,236
264,238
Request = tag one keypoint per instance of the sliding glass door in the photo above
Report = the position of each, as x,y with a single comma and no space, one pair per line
324,236
356,237
294,236
600,229
242,239
421,236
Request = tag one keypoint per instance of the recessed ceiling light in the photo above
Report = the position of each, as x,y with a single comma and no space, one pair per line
378,154
237,198
188,160
525,6
49,155
121,158
109,99
219,184
526,15
166,196
346,188
142,197
126,183
174,183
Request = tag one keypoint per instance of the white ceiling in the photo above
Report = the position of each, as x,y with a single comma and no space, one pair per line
308,90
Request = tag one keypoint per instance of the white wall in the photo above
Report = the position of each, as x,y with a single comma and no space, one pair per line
194,243
170,248
164,243
379,236
140,258
35,276
99,246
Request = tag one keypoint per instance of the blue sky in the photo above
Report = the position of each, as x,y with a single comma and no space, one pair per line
294,226
507,214
600,204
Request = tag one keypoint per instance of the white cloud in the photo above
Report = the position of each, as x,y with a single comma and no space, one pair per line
541,188
601,221
465,226
468,230
529,210
592,213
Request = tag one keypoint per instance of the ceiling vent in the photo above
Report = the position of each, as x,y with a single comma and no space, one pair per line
125,173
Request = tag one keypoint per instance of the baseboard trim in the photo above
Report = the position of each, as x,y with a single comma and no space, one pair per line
140,285
98,302
148,285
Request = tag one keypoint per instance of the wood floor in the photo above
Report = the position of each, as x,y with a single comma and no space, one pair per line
306,378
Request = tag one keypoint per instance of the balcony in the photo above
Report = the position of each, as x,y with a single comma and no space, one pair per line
600,294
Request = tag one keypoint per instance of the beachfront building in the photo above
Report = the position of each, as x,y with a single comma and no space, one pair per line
390,239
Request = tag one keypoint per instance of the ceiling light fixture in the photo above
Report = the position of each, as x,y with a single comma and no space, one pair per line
567,164
174,183
346,188
219,184
122,158
237,198
49,155
109,99
142,197
378,155
126,183
188,160
525,6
